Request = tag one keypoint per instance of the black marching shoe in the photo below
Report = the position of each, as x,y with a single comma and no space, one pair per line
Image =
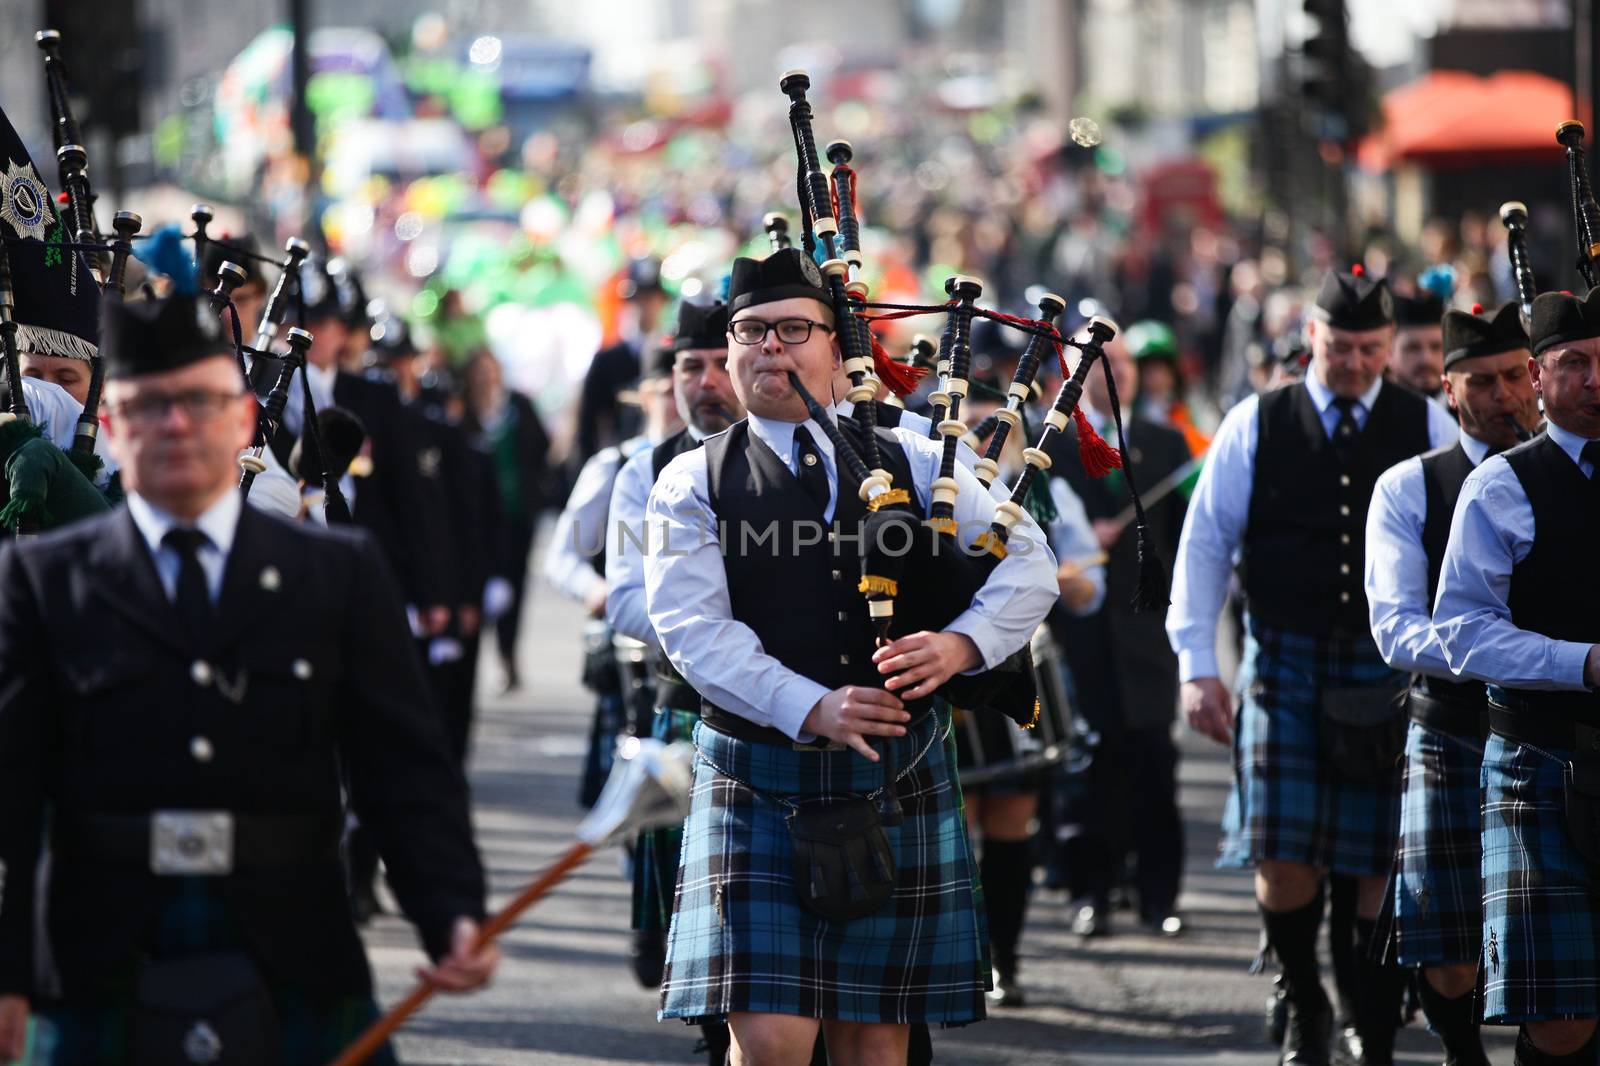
1091,921
1007,990
1307,1035
1348,1048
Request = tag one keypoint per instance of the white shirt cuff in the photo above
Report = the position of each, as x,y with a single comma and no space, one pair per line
976,630
790,705
1570,658
1194,662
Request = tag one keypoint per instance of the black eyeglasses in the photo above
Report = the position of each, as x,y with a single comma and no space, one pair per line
197,406
789,330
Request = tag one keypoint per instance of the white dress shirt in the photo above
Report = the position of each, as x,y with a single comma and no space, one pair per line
625,600
1491,532
686,584
580,532
218,523
1397,567
1219,510
1072,538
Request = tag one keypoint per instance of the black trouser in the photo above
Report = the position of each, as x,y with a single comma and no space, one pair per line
509,624
1129,807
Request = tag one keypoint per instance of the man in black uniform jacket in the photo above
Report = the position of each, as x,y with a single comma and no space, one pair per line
601,419
1126,678
186,688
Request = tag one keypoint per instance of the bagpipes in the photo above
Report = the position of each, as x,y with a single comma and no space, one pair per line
72,161
1514,216
916,575
1585,212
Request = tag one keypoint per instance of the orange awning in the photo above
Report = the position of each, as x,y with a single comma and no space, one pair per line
1450,118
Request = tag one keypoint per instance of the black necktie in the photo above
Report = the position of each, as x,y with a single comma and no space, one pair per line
193,597
1345,430
1591,455
811,471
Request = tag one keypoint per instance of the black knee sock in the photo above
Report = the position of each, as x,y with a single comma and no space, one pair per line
1456,1023
1293,936
1380,990
1342,945
1007,872
1528,1055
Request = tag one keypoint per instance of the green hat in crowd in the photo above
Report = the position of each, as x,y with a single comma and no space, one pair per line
1152,340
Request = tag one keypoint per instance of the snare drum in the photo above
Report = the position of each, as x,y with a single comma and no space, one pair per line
994,750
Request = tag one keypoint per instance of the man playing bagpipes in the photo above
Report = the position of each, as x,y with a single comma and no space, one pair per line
705,401
800,709
1516,610
54,311
1435,906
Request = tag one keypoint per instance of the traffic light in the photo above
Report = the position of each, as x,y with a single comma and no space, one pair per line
1334,79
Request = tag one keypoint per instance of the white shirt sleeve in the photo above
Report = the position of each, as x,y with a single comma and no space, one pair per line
686,591
1491,532
625,599
1213,530
1397,573
1072,537
580,531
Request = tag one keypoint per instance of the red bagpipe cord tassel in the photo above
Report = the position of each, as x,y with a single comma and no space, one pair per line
1098,457
902,378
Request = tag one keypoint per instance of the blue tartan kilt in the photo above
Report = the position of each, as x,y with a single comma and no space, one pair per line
655,853
1287,804
740,941
1437,892
197,919
1541,905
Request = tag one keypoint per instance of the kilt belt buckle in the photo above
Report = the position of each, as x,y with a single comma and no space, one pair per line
186,843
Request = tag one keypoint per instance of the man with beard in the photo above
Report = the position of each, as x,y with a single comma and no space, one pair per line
1417,358
1516,610
706,403
1436,904
1285,492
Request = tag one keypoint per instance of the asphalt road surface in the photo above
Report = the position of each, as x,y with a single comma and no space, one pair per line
565,994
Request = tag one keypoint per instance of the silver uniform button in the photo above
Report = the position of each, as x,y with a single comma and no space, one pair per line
809,459
301,669
1344,568
1344,480
200,672
1344,538
1344,510
837,574
844,660
1344,597
200,748
844,616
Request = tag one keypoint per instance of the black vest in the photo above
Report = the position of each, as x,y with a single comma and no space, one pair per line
800,598
1554,590
1305,544
1444,470
668,450
671,689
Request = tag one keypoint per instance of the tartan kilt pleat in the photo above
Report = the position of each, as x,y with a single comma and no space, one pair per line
655,852
1437,888
1287,803
741,942
197,919
1541,903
